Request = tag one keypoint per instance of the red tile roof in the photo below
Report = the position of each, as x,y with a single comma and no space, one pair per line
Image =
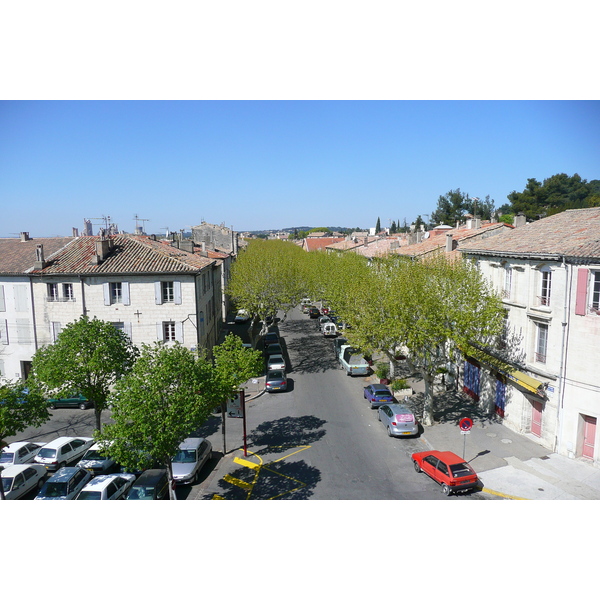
129,255
18,257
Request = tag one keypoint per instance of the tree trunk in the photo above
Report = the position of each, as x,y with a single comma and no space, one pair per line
172,495
428,402
98,414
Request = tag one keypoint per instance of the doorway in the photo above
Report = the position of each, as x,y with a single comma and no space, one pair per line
536,418
589,436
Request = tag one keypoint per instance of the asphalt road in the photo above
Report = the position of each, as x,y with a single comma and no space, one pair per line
319,440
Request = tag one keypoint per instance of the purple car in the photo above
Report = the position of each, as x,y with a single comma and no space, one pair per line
378,394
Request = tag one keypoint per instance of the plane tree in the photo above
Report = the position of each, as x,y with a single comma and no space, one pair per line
20,408
88,357
264,279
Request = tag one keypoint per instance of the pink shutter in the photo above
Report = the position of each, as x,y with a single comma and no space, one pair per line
582,285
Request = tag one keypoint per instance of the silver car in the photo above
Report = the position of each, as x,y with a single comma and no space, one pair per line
276,361
192,455
398,420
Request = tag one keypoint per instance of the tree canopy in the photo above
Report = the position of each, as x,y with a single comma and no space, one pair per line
88,357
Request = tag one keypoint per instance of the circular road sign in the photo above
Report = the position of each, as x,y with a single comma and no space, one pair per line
465,424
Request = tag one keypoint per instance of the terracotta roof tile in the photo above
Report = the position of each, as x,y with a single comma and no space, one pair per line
18,257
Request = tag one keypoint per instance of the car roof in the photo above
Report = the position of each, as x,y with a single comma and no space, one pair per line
150,475
276,374
14,470
65,473
59,441
448,457
16,445
101,481
191,443
379,387
276,356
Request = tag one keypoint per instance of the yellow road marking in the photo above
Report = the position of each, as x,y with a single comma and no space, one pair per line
238,482
246,463
487,490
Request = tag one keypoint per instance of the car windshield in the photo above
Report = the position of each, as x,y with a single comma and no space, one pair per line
89,495
47,453
93,455
141,493
7,483
382,393
7,457
54,489
275,375
184,456
461,470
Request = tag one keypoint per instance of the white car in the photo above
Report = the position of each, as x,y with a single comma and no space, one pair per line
18,453
62,451
95,462
276,361
242,316
64,484
188,462
107,487
19,480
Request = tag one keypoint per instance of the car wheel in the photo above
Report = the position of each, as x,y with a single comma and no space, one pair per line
389,431
62,464
378,416
40,483
446,489
52,406
82,406
417,467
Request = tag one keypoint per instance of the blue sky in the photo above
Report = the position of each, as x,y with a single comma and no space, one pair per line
276,164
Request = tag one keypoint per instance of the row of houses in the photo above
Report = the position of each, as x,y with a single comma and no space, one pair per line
170,290
541,378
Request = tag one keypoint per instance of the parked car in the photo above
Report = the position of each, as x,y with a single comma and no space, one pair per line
306,308
329,330
62,451
65,484
76,401
276,381
275,361
18,453
151,485
352,361
314,312
398,420
19,480
378,394
95,462
242,316
107,487
321,321
274,349
447,469
271,337
193,454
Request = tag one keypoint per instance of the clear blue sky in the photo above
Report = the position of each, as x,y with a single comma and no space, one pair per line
276,164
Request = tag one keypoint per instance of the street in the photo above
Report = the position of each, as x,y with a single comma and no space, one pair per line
319,440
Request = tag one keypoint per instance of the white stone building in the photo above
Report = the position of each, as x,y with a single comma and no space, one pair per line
149,289
548,274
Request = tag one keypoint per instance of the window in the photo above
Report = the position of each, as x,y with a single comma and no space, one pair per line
68,292
541,342
545,288
507,282
167,291
24,331
596,290
116,292
53,292
55,329
169,331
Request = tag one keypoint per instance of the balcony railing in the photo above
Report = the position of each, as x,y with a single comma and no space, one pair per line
544,300
539,357
60,298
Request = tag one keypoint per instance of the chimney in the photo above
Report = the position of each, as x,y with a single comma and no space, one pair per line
24,236
520,220
75,232
103,246
419,236
39,263
449,242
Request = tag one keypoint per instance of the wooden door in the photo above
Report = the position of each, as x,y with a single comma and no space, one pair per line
589,436
536,418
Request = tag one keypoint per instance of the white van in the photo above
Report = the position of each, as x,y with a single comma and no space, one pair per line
62,451
329,330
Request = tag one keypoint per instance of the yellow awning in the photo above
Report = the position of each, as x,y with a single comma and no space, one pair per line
531,384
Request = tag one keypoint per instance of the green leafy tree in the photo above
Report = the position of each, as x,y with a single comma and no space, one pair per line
264,278
450,208
19,408
169,392
88,357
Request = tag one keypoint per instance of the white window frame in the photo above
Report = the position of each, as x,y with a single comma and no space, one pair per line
170,331
545,286
541,342
53,293
55,329
507,284
594,291
159,292
68,292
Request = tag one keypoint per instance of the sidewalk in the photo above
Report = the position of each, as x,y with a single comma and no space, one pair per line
509,464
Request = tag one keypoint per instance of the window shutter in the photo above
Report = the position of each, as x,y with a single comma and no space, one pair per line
179,332
106,289
4,331
157,293
159,331
582,285
2,303
177,292
127,329
125,293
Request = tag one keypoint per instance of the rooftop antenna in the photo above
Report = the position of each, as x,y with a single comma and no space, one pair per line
137,219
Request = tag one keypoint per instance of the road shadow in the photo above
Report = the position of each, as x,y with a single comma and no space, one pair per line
287,431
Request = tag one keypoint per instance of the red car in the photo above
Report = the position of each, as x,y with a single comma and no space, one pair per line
447,469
